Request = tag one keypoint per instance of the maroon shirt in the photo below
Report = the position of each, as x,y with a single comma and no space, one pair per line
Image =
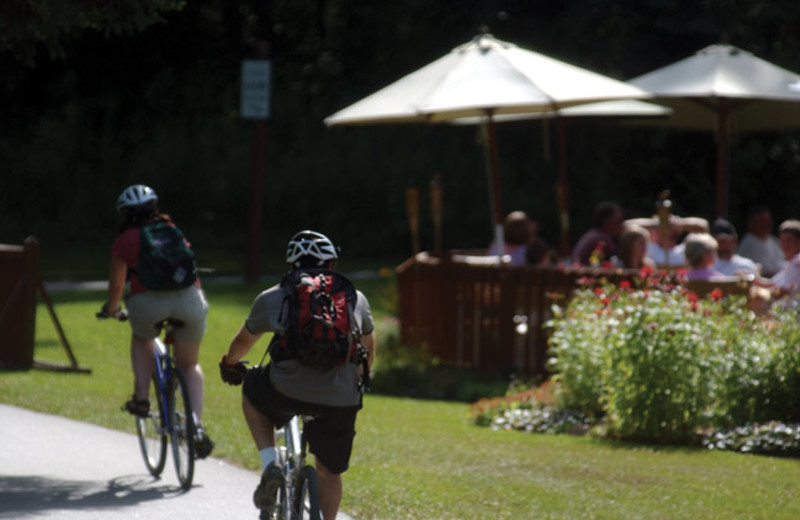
591,240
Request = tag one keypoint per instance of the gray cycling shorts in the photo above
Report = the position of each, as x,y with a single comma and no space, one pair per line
189,305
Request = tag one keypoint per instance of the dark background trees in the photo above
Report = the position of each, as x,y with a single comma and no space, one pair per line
99,95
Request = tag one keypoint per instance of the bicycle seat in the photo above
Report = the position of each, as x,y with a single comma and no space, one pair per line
169,322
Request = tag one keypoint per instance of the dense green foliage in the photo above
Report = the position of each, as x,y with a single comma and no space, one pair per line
98,97
659,364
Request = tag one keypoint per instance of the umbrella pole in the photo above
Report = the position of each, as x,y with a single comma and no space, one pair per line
722,163
493,178
562,191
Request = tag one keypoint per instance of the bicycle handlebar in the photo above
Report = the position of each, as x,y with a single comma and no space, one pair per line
103,315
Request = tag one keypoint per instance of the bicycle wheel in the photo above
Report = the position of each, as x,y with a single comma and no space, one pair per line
181,428
152,437
306,495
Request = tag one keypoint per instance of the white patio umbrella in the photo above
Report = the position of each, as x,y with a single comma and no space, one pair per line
724,89
484,78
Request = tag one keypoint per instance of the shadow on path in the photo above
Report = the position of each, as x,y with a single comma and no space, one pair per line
28,496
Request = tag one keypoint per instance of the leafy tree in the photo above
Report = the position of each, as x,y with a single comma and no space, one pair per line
26,24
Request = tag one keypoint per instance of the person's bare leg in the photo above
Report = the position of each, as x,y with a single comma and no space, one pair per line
186,357
143,363
261,428
330,491
263,432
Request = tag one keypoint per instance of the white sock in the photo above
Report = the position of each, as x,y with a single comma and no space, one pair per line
268,456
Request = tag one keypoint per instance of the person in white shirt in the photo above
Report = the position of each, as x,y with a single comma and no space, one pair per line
728,262
787,281
759,245
674,255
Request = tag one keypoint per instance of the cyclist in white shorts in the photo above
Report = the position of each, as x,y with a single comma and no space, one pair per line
138,206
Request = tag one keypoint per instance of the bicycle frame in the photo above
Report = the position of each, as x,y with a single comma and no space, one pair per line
163,371
292,453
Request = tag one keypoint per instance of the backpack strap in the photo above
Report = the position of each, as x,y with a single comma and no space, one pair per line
277,349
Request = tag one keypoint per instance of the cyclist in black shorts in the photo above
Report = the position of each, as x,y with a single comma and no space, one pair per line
274,393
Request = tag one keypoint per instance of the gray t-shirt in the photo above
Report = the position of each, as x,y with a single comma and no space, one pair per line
336,387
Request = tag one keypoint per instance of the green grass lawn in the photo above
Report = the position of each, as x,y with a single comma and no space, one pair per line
418,459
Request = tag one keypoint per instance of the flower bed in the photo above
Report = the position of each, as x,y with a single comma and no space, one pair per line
652,362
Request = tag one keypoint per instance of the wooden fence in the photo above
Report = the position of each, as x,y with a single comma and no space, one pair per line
475,313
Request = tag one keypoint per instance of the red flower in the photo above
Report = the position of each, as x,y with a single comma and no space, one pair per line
598,290
716,294
625,284
693,298
645,271
605,301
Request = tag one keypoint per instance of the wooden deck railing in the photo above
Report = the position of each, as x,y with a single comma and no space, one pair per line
475,313
472,312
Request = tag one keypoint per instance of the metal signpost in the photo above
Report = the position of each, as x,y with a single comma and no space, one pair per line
255,104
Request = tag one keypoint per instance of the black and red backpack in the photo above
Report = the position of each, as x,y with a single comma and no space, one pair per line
317,310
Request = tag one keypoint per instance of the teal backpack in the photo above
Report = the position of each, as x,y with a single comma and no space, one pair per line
166,262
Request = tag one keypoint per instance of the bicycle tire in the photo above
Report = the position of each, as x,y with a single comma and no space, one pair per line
151,433
182,429
306,495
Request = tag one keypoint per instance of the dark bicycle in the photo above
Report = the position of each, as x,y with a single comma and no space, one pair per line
171,417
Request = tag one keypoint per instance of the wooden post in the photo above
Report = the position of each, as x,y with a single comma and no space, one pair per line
436,211
412,212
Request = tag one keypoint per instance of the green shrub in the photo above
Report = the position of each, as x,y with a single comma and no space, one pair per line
414,372
657,363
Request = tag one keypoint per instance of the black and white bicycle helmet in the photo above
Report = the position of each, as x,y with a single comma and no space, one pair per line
137,196
309,248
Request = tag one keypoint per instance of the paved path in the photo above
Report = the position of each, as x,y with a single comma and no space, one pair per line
51,467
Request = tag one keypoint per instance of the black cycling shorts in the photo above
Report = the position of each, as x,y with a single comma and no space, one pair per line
330,435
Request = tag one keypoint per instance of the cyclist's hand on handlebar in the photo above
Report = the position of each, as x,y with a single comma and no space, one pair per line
120,314
232,374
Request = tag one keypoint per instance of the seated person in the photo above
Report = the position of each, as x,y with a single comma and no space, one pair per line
538,252
728,262
599,243
694,225
701,253
787,281
518,231
674,255
633,249
759,245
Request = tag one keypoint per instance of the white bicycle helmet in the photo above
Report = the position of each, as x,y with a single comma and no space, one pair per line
310,246
136,196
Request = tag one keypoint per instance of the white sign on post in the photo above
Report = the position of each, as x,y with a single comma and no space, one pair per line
256,88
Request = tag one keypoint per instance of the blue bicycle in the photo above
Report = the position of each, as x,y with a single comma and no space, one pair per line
171,417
